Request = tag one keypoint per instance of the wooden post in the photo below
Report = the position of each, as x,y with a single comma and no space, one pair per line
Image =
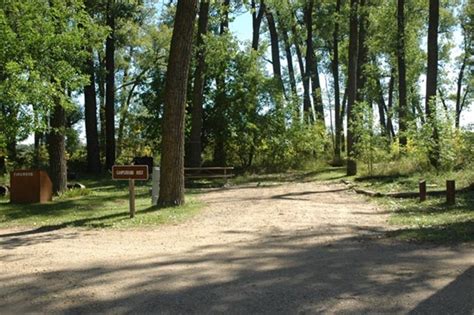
422,186
131,188
450,192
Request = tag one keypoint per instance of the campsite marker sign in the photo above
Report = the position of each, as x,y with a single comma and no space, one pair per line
130,173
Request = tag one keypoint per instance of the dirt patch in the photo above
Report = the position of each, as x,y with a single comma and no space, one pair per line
290,248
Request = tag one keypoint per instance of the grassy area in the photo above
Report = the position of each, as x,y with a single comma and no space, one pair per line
104,204
433,220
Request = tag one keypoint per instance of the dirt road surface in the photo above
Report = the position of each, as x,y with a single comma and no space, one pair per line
295,248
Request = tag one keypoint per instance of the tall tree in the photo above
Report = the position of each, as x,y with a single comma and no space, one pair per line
90,104
289,57
198,88
352,86
257,16
276,65
402,85
172,151
220,157
432,76
57,148
464,80
110,87
337,97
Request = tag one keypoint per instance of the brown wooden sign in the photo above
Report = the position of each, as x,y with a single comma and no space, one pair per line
127,172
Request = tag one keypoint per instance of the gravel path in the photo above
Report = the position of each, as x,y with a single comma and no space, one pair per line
294,248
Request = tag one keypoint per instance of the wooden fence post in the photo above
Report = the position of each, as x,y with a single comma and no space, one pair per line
422,187
450,192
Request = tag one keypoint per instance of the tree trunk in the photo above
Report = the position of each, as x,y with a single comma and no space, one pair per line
198,88
172,150
459,93
257,16
11,149
337,96
432,77
299,55
316,90
352,86
124,99
402,85
90,112
362,52
220,157
101,89
382,108
308,19
3,168
275,51
110,90
57,149
289,57
391,85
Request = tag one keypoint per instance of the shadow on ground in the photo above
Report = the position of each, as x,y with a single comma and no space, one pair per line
273,273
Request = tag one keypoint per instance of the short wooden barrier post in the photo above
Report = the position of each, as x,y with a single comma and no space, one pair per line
450,192
422,186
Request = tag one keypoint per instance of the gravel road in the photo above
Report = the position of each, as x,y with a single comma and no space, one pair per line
293,248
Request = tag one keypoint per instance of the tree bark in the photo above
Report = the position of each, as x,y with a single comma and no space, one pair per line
289,57
299,55
362,52
391,86
172,149
352,86
337,92
57,149
257,16
275,51
101,89
382,107
402,85
432,77
90,111
220,157
198,88
110,89
459,93
309,75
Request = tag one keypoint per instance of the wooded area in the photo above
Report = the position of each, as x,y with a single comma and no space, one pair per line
375,85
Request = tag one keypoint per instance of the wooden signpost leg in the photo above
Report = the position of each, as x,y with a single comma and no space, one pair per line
131,188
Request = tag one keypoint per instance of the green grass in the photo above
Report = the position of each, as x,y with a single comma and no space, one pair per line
433,220
430,221
104,204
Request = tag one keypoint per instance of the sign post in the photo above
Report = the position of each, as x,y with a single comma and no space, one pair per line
130,173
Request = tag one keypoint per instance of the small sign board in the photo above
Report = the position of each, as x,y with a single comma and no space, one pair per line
130,173
127,172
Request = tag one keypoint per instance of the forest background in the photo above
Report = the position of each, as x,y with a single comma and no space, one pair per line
273,85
